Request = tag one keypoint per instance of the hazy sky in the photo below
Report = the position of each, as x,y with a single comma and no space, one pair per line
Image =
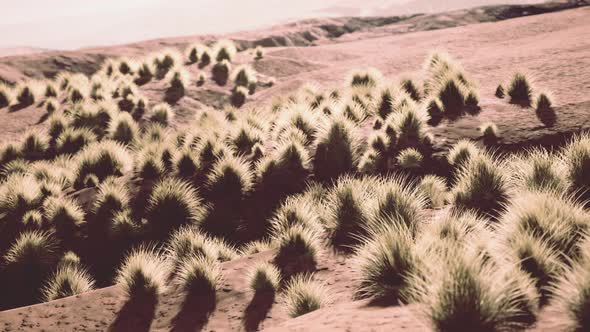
79,23
70,24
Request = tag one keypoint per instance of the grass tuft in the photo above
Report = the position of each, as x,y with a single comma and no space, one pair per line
143,274
304,295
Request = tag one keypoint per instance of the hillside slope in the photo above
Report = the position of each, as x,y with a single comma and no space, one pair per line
548,46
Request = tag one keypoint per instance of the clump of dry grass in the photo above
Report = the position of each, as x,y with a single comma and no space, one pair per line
238,96
489,131
122,128
162,114
304,295
220,72
465,294
297,250
461,153
520,90
576,156
143,274
6,95
336,151
434,188
224,50
172,203
199,276
481,185
369,77
264,278
385,261
67,281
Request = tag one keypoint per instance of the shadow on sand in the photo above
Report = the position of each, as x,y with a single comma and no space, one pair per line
258,309
136,315
194,312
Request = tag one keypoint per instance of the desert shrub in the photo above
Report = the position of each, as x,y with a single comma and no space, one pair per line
28,261
72,140
335,151
51,105
296,210
194,53
224,50
67,281
238,96
201,79
489,131
172,203
279,174
396,200
369,77
385,262
220,72
244,76
33,220
77,93
537,259
6,95
555,219
95,117
410,159
413,89
25,94
8,153
34,145
66,217
178,81
570,299
165,61
17,166
543,102
123,128
198,276
259,53
520,90
19,193
460,154
384,104
112,197
145,73
143,274
205,58
50,90
304,295
186,164
347,214
227,187
452,97
576,156
499,91
481,185
188,242
162,114
409,124
537,169
125,66
69,259
434,188
297,250
465,294
150,165
264,278
102,159
435,109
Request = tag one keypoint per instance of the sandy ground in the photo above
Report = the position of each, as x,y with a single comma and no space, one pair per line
552,47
